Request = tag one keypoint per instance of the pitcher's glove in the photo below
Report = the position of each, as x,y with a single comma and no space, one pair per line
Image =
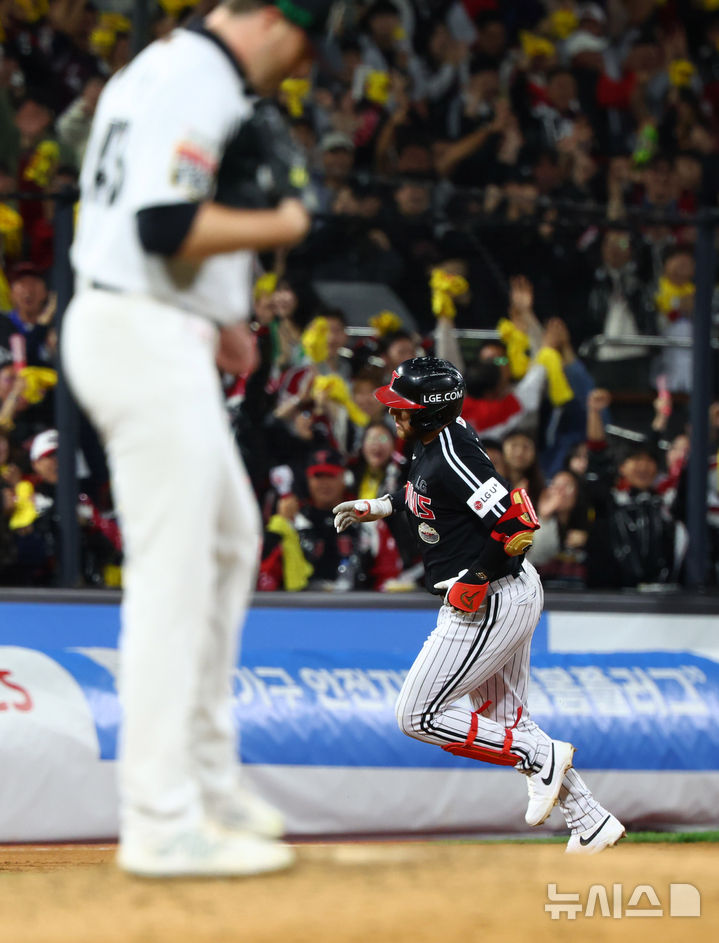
261,165
350,512
466,591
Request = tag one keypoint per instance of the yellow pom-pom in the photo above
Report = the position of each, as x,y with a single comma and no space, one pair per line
42,164
112,576
37,381
173,7
563,23
265,285
102,41
518,346
445,287
10,229
295,92
534,46
681,72
386,322
115,22
24,512
315,340
670,294
32,10
377,87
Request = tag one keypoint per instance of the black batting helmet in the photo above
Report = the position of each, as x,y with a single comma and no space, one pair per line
431,389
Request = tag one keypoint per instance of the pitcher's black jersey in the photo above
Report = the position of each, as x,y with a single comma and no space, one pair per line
453,497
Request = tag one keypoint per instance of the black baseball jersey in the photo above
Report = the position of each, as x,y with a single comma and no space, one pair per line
453,498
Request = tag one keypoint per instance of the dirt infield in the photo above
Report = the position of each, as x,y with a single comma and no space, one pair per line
355,893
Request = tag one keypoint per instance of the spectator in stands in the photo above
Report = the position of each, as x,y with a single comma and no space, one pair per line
674,300
478,129
618,306
520,460
673,486
26,402
564,422
491,405
364,383
379,469
443,71
294,430
73,59
347,247
383,41
335,560
73,125
560,552
554,118
28,506
491,40
660,195
577,460
337,161
32,312
411,226
386,549
397,347
633,540
506,383
284,565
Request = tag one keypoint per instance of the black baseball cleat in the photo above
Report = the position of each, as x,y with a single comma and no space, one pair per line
595,839
544,786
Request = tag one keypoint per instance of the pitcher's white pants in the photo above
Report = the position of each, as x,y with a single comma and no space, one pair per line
145,374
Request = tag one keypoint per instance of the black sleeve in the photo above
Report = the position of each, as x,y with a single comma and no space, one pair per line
162,229
397,499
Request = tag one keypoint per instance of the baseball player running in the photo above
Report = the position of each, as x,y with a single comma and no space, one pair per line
163,257
474,532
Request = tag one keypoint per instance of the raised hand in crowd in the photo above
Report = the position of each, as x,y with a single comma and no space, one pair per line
48,312
597,401
662,406
11,393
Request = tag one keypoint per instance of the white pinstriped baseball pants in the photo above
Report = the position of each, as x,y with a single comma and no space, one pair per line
145,373
484,655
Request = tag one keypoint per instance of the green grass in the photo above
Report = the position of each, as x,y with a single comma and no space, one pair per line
639,837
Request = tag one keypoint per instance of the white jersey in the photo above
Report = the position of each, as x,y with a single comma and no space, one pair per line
157,138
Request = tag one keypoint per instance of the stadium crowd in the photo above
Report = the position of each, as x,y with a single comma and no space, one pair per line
525,168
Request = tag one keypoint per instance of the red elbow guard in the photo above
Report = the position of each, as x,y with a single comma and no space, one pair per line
515,528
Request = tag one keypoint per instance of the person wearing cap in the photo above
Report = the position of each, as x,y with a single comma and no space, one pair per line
337,152
164,256
43,456
334,560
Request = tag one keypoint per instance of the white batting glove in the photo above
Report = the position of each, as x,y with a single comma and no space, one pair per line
446,585
350,512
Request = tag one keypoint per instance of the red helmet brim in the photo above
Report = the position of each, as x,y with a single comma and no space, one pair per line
387,396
